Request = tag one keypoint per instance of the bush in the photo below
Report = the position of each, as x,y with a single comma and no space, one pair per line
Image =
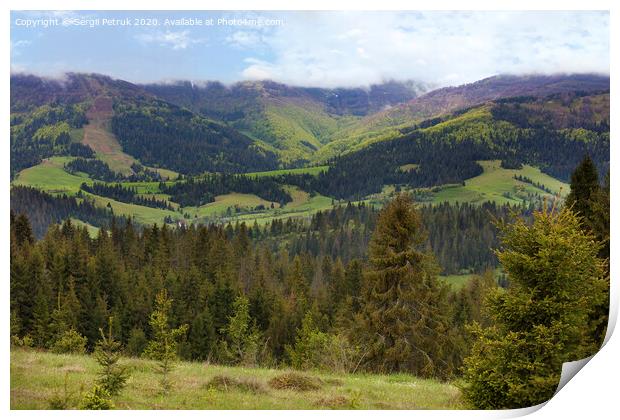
97,399
295,381
310,346
70,341
25,341
225,383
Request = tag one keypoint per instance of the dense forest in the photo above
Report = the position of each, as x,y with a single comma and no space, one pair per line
163,135
44,210
43,132
462,236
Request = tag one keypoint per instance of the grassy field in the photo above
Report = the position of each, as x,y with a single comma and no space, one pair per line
51,177
37,376
498,184
494,184
93,231
223,202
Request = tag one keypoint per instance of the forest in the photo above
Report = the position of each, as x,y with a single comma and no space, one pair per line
163,135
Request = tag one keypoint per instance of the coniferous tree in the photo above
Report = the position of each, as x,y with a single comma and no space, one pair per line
403,321
163,346
583,187
112,376
542,320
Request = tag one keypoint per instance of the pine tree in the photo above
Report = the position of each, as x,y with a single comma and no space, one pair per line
404,326
112,376
242,337
163,346
542,320
583,186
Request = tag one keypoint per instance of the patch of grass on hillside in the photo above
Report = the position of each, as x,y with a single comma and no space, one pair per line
38,376
223,202
93,231
498,184
51,177
142,214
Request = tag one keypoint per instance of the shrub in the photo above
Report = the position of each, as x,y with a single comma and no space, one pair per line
295,381
225,383
97,399
70,341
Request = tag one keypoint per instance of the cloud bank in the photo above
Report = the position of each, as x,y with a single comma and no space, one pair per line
340,49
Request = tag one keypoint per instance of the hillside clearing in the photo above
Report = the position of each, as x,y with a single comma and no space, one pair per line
499,185
97,135
38,376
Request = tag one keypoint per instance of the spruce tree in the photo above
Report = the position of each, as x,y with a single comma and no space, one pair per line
542,320
403,318
163,346
112,376
583,187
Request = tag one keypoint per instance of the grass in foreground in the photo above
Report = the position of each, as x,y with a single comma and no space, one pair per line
38,376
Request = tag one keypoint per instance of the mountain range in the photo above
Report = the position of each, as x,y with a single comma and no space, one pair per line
301,125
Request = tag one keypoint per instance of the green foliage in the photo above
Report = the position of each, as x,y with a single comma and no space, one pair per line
112,376
70,341
310,346
163,346
242,337
583,186
97,399
136,343
403,322
542,320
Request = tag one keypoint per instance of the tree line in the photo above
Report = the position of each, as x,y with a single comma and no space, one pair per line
199,191
124,194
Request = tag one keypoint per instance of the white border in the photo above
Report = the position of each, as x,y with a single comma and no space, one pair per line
592,393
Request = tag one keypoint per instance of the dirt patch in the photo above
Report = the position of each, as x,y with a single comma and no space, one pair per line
226,383
98,136
100,109
296,382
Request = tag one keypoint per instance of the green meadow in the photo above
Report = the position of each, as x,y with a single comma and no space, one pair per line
37,377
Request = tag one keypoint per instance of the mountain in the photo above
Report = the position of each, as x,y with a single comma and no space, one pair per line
552,133
385,124
121,123
248,126
293,121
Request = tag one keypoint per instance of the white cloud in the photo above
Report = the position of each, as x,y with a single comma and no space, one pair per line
356,48
244,39
176,40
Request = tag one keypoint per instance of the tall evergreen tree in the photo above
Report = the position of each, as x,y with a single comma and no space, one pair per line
584,185
404,326
542,321
163,346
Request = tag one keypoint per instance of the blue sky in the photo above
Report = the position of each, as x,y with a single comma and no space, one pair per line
313,48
